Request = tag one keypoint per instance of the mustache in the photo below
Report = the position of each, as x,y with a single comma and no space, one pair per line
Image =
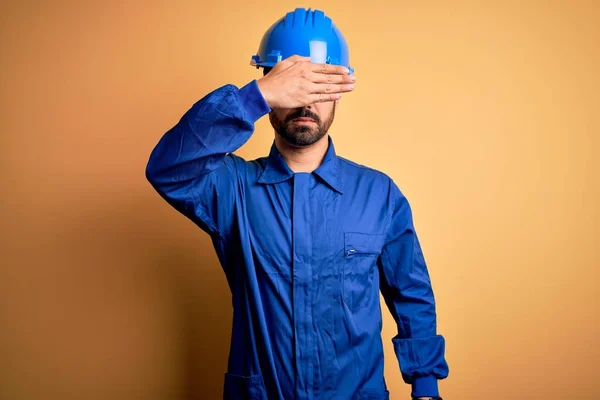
303,113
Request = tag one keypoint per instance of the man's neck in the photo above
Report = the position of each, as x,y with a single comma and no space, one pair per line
303,159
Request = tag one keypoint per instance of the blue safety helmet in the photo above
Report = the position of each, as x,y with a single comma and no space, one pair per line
306,33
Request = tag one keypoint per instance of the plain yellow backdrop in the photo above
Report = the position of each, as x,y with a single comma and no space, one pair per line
486,114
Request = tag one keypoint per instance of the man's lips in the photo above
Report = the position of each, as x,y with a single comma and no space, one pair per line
303,119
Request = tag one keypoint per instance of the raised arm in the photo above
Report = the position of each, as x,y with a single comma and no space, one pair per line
191,166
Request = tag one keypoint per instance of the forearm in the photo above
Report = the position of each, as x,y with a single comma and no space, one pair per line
418,347
407,290
219,123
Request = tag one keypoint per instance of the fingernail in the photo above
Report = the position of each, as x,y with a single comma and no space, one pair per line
352,78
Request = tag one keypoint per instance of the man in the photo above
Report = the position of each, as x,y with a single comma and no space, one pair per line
306,238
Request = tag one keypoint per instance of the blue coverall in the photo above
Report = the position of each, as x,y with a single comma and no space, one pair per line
305,256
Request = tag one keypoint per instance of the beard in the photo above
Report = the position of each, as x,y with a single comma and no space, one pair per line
302,135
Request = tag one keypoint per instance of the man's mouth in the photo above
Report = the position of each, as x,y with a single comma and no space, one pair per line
303,119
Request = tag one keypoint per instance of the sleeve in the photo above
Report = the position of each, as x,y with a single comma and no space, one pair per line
191,167
408,294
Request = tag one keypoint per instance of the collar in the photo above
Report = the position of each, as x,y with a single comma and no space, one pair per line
277,170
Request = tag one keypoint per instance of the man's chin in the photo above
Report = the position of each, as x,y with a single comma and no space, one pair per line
301,138
295,142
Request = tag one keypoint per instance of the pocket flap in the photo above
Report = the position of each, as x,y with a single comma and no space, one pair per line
363,243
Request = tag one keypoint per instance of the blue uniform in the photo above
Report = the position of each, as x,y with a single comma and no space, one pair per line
305,256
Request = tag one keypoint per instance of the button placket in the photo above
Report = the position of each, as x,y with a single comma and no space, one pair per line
302,282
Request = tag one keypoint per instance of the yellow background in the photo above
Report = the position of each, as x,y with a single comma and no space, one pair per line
485,113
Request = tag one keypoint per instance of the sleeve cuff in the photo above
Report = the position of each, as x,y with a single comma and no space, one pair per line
425,386
252,101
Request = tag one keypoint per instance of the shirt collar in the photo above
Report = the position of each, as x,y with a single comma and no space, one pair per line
277,170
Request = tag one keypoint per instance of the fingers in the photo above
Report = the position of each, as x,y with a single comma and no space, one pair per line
325,93
315,83
332,78
327,88
323,97
329,69
319,67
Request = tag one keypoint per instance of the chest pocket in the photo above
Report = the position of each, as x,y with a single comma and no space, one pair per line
361,251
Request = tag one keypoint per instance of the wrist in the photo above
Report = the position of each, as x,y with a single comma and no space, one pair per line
252,102
264,90
424,386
